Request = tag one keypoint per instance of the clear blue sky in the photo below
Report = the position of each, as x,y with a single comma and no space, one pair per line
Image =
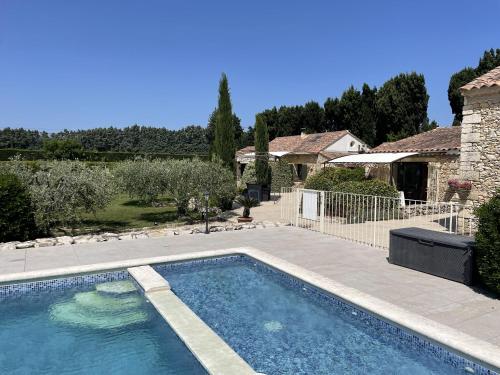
90,63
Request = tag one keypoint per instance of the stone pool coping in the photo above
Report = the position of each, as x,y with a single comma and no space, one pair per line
213,353
476,350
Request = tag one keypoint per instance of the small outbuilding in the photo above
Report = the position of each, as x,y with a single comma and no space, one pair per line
306,152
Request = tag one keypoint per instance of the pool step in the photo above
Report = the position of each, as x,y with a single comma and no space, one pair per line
212,352
110,306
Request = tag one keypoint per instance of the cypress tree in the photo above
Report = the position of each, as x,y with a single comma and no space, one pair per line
261,151
224,145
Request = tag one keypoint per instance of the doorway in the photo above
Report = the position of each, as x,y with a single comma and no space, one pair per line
412,180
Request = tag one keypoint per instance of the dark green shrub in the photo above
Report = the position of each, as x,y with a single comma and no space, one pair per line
368,187
17,222
328,178
363,201
281,175
62,149
487,251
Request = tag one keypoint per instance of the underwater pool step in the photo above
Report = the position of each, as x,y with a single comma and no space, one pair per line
215,355
116,287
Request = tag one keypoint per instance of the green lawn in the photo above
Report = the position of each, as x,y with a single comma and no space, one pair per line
125,213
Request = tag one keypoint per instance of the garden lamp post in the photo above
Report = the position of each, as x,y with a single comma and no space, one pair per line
206,194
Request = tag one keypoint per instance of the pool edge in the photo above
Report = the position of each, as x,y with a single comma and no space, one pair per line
471,348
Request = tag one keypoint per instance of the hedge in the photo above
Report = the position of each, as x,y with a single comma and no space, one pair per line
17,220
328,178
487,250
281,175
7,153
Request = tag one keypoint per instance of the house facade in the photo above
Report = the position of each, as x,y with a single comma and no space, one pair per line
420,166
306,152
430,165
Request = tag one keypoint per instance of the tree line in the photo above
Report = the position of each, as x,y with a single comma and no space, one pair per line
397,110
188,140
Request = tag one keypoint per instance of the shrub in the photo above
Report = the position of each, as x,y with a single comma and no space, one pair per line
249,175
368,187
487,251
143,179
62,149
189,179
328,178
17,221
281,175
62,190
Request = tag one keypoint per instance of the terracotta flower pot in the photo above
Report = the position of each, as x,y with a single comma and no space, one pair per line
242,219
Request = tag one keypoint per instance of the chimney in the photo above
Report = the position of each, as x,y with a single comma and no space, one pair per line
303,133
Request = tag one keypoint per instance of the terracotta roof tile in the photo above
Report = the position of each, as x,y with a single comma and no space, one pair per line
492,78
310,143
439,139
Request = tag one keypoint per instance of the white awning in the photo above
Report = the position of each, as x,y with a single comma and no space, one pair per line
278,154
375,158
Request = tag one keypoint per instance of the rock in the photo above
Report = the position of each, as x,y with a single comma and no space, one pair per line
110,236
25,245
139,235
176,233
229,228
238,227
197,230
8,245
125,237
216,228
82,239
249,226
45,242
156,233
97,238
64,240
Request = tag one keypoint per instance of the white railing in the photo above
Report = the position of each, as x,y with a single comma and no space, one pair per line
368,219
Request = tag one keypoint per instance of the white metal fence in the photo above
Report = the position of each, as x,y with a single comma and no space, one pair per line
368,219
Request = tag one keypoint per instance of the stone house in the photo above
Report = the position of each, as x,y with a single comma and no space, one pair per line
480,138
306,152
420,166
426,165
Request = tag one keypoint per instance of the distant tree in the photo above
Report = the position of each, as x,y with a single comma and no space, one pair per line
67,149
367,116
332,115
22,138
426,125
401,107
313,116
489,61
224,145
239,133
261,151
455,98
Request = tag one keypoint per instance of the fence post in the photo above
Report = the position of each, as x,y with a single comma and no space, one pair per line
297,206
375,209
322,212
451,217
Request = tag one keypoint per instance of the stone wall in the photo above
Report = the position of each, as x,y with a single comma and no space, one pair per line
480,147
441,169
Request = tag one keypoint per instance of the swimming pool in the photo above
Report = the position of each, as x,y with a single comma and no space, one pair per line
280,325
94,324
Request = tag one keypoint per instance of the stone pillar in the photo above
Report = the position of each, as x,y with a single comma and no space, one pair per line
480,142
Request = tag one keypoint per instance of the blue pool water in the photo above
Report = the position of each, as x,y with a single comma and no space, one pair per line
79,330
279,328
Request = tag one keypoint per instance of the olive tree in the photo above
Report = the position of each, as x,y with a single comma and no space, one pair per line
144,179
61,191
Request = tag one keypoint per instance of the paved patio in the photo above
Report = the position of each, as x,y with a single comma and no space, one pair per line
354,265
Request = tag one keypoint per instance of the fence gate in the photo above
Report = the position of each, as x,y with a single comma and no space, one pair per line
368,219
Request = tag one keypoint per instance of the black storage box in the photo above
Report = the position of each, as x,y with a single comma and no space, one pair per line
437,253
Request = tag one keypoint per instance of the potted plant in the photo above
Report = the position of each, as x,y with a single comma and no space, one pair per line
247,203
